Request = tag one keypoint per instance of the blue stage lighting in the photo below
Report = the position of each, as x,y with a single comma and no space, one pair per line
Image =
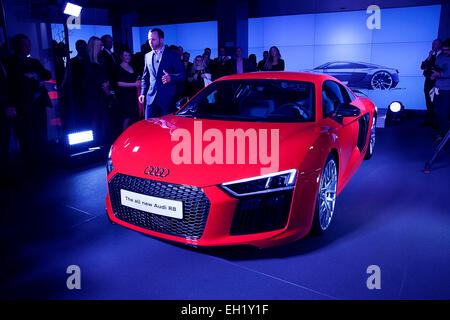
72,9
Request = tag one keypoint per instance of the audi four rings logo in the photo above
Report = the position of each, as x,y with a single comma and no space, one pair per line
156,171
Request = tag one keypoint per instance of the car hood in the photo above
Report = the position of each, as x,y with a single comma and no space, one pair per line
160,142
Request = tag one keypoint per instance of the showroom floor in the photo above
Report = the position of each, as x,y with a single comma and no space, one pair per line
390,214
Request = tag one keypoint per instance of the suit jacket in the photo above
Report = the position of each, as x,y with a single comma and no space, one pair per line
247,66
24,91
164,95
220,68
427,66
110,62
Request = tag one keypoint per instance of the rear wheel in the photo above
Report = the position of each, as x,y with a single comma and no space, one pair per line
381,80
326,197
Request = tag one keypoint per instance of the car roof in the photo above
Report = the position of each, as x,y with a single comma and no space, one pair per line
280,75
356,62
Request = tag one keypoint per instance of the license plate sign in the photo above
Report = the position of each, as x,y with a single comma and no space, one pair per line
159,206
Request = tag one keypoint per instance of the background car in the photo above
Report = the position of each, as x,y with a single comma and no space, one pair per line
361,74
321,132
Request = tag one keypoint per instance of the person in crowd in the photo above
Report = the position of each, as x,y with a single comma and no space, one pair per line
173,48
180,52
29,98
118,46
127,84
240,64
261,63
185,61
427,66
274,61
207,57
138,60
220,65
441,73
79,65
207,51
187,65
197,75
98,93
7,115
58,57
108,59
252,59
163,72
206,60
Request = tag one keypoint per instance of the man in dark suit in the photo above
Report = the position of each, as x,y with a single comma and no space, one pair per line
78,67
240,64
162,75
109,59
220,65
29,97
427,66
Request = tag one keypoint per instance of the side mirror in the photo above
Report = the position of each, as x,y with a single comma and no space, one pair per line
346,110
182,102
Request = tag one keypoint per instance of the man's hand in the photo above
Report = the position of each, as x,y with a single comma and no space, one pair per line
435,74
165,77
11,112
141,98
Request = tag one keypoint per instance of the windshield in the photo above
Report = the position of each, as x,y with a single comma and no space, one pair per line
254,100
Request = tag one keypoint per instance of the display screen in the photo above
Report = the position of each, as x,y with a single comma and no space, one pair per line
383,63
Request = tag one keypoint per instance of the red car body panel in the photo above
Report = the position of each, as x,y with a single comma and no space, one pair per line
302,146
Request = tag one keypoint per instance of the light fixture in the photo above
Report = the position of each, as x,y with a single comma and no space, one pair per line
72,9
278,181
395,111
80,137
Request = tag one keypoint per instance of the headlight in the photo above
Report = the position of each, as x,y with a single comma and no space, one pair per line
273,182
109,164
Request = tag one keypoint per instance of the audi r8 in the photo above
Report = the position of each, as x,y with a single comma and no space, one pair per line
361,75
252,159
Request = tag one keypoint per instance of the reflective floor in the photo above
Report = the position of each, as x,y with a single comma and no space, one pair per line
390,214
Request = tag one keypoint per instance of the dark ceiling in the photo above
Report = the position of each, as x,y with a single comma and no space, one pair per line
177,11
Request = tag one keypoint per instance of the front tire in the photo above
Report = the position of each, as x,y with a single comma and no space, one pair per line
371,146
326,197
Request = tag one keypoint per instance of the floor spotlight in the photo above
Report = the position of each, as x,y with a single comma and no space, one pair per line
395,111
81,147
80,137
72,9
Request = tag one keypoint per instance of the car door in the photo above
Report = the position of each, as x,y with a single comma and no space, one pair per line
340,70
358,77
345,129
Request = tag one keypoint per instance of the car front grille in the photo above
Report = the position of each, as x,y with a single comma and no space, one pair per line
195,206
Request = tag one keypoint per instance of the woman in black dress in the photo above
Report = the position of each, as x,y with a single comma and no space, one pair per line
127,84
274,62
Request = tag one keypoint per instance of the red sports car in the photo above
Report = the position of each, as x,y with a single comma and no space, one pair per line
255,158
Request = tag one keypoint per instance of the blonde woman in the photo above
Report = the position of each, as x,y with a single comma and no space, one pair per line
196,76
97,89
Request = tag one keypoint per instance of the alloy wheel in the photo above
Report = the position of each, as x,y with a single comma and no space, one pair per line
381,80
327,194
